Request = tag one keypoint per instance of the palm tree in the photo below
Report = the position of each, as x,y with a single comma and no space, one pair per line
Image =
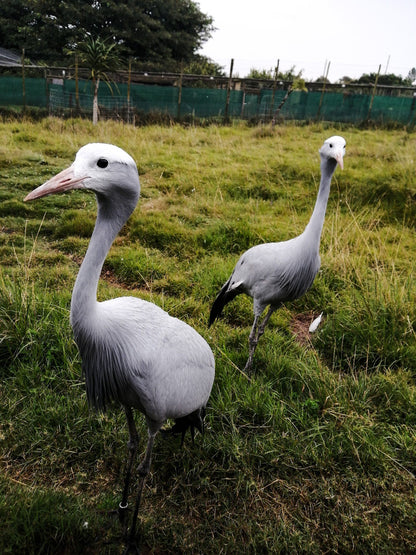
100,57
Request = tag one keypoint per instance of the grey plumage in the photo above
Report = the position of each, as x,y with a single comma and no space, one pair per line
132,351
273,273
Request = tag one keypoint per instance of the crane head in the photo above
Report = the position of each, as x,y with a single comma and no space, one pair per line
97,166
334,148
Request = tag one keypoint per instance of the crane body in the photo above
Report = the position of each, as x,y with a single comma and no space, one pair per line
277,272
133,353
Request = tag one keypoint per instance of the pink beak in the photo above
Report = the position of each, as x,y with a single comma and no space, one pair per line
340,159
63,181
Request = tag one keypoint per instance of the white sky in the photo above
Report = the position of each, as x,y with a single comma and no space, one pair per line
356,36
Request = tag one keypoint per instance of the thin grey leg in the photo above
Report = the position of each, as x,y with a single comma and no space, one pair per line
255,334
263,325
143,470
252,343
132,447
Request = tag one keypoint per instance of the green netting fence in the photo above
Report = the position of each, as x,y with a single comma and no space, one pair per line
60,97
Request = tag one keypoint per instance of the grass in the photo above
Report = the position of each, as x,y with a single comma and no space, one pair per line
316,451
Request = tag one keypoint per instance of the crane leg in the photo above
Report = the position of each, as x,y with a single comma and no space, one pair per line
132,447
255,334
263,325
143,471
252,344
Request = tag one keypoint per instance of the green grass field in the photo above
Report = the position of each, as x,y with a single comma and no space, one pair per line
315,452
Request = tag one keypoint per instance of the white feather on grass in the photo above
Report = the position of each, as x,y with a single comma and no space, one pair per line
314,325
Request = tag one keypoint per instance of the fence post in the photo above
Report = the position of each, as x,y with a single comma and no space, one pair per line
323,91
45,73
373,93
243,100
289,91
227,101
23,81
412,107
77,105
128,94
276,72
180,93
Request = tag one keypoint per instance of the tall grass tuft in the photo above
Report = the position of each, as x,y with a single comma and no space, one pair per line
367,330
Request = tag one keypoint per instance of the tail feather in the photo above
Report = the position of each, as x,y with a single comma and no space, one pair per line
192,421
224,297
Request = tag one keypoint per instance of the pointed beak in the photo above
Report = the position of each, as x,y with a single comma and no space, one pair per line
63,181
339,157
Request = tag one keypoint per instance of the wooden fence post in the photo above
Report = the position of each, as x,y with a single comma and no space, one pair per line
128,94
276,72
373,93
180,93
323,91
77,105
227,101
412,111
45,74
23,81
243,101
289,91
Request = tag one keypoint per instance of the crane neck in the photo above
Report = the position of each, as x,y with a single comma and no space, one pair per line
111,217
315,225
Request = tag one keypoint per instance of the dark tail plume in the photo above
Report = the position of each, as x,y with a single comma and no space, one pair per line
223,297
192,421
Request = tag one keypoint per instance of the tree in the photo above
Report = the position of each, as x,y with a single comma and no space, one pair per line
411,76
322,79
289,75
346,80
260,74
383,79
164,32
201,65
161,33
100,57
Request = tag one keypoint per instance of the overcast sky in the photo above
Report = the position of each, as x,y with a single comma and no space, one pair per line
356,36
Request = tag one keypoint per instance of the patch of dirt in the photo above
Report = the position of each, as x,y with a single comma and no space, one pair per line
110,277
299,326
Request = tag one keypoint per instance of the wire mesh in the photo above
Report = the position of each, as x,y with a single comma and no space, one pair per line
62,96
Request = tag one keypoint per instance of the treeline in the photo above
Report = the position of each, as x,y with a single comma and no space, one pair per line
163,34
386,79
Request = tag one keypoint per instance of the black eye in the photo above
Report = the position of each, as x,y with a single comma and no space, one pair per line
102,163
330,145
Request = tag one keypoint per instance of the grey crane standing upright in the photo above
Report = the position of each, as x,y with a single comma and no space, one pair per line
272,273
132,351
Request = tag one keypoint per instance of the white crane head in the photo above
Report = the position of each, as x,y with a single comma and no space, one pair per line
97,166
334,148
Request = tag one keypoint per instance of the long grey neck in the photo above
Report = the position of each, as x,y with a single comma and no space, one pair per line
315,225
107,226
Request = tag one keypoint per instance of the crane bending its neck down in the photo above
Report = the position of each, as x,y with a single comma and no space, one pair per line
132,351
